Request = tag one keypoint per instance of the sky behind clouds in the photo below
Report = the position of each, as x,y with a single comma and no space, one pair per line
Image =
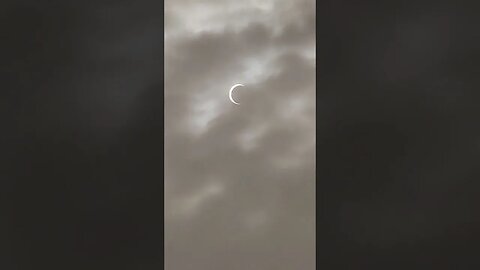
239,186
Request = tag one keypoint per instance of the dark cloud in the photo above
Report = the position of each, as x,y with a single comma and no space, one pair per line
396,149
80,136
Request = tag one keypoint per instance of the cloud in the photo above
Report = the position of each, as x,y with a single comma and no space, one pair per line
260,152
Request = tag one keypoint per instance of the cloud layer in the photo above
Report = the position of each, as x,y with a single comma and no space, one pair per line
240,179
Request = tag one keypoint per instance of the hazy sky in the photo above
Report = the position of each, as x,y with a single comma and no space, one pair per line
239,179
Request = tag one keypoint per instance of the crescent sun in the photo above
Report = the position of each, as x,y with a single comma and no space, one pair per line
231,91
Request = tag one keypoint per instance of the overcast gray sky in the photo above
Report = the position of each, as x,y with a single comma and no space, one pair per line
240,179
398,140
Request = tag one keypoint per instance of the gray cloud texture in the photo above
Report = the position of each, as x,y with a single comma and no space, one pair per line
239,180
397,135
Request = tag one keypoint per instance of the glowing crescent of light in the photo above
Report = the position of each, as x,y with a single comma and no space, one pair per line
231,91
